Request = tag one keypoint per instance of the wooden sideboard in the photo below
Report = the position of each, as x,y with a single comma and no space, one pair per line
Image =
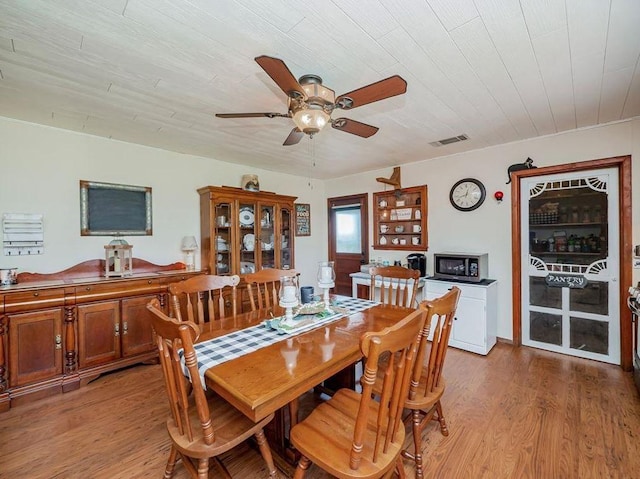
61,330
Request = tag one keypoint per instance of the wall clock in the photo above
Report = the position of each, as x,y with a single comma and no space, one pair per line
467,194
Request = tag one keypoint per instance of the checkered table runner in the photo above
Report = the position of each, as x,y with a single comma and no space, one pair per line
230,346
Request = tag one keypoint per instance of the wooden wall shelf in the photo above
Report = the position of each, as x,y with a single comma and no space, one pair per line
400,219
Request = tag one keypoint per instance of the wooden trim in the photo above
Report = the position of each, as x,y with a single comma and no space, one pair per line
623,163
94,268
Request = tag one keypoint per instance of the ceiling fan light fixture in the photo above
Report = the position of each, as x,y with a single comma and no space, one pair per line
316,91
311,120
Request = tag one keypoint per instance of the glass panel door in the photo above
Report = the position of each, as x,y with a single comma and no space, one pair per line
249,243
570,264
286,245
222,239
267,246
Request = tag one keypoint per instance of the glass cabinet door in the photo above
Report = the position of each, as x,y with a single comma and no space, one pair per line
286,243
570,264
249,244
222,240
267,246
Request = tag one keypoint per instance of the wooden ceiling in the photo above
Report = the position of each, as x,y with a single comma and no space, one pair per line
155,72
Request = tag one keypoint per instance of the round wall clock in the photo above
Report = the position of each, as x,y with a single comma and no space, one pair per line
467,194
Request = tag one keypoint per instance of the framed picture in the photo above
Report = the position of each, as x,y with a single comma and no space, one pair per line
303,219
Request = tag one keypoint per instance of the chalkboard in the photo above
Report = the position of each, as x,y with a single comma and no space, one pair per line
303,219
108,209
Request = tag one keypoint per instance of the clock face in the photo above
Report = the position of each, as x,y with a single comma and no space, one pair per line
467,194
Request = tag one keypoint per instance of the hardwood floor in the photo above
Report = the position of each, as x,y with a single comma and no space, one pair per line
518,413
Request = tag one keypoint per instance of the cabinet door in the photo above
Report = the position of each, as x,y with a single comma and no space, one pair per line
35,353
286,239
249,241
223,238
98,333
469,325
136,331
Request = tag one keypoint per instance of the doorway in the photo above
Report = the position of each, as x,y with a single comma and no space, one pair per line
589,318
570,264
348,237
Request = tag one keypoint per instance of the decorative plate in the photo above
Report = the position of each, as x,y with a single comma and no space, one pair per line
246,217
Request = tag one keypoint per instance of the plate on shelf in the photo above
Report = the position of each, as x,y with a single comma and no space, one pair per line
246,216
247,267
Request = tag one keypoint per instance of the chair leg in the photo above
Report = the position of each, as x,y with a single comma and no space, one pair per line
171,463
417,443
293,413
400,468
303,465
203,468
443,424
265,450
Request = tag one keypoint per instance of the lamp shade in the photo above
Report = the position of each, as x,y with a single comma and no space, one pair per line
311,120
189,243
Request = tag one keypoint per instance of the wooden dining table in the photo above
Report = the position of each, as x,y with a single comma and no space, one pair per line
262,382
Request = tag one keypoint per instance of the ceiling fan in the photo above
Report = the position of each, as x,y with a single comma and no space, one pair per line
311,103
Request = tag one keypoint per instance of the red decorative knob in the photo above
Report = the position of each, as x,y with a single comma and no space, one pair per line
498,195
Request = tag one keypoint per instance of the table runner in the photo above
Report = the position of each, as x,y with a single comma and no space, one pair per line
238,343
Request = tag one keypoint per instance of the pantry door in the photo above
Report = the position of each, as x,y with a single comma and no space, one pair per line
570,263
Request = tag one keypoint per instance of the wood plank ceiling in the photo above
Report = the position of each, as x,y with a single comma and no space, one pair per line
155,72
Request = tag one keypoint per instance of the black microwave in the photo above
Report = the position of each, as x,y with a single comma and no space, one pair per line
461,266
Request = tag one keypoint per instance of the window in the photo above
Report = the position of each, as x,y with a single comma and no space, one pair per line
348,238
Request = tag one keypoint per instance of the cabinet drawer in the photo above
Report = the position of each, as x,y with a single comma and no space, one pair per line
467,291
105,291
33,299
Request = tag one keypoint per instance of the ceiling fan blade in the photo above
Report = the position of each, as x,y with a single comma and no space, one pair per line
354,127
386,88
280,73
250,115
294,137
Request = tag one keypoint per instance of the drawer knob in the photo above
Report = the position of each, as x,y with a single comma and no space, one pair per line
36,294
149,281
88,288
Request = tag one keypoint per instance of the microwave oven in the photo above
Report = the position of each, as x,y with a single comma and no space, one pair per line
461,266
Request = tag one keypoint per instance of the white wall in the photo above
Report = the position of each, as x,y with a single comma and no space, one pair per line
40,169
488,229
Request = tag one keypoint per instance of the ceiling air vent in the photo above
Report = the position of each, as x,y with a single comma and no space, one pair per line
448,141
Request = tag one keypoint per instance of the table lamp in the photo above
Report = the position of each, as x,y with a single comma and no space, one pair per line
189,245
326,279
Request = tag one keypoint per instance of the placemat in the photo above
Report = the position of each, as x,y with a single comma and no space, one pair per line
238,343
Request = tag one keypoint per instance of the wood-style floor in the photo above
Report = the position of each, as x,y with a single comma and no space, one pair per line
518,413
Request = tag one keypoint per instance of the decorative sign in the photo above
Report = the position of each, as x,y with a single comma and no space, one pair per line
559,280
303,219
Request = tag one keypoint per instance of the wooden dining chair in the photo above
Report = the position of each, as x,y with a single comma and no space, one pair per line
427,383
204,298
200,427
352,435
394,285
263,287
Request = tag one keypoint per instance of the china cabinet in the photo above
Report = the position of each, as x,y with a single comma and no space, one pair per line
245,231
400,219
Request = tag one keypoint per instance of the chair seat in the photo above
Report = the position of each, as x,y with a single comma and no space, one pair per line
230,426
326,435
